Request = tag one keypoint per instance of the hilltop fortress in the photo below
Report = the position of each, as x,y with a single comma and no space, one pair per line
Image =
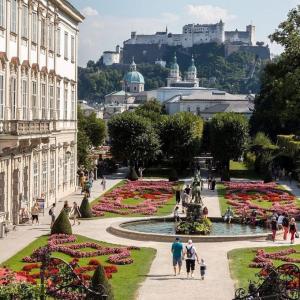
149,48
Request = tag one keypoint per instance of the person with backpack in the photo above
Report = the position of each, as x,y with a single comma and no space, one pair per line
191,256
286,225
274,228
52,214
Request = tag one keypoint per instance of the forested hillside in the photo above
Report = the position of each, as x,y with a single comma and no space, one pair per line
238,73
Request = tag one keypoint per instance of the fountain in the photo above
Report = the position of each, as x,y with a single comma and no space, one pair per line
195,222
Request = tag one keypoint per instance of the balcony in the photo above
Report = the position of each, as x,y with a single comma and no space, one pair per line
20,128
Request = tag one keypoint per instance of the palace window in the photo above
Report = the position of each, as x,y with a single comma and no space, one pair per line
2,97
51,33
44,173
34,27
35,177
51,101
13,16
72,167
43,33
13,97
72,49
25,21
58,39
34,101
2,13
198,111
24,99
73,103
52,171
66,45
65,171
43,101
66,102
58,100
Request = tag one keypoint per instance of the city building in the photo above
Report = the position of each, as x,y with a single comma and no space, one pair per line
88,110
112,57
38,103
206,103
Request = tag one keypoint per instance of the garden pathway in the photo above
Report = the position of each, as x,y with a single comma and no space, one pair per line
25,234
160,283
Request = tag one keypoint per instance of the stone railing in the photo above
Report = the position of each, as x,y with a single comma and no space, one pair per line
16,127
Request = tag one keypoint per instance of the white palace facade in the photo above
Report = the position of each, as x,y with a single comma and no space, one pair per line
38,102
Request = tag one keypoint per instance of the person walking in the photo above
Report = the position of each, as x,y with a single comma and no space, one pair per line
274,228
286,226
177,251
279,221
176,214
103,183
88,189
191,256
52,214
209,182
177,196
202,269
66,207
213,183
35,213
75,213
293,230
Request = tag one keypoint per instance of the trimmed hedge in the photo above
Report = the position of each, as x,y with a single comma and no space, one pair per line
85,208
62,224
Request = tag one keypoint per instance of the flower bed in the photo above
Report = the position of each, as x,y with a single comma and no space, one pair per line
265,198
149,195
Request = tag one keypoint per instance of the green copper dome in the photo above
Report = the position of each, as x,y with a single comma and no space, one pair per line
192,67
174,65
134,77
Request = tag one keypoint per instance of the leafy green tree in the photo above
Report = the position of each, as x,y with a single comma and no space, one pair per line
99,283
180,136
133,138
228,137
62,224
95,130
277,107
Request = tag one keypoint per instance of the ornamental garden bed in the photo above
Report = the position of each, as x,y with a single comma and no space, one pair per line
265,198
245,263
136,199
125,267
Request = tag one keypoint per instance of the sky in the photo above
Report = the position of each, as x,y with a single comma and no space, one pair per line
109,22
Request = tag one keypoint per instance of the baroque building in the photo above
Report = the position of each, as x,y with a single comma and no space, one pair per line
38,102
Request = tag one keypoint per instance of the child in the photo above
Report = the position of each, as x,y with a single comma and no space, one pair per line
202,269
176,214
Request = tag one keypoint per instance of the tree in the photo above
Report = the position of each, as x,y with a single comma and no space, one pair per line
95,130
99,283
133,138
277,107
62,224
180,136
85,208
228,137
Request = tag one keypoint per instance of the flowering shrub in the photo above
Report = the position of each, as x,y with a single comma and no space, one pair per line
240,195
151,194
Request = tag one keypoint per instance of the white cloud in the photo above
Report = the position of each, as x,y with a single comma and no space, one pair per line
99,33
89,11
208,13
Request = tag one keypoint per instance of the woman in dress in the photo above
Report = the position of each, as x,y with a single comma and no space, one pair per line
293,230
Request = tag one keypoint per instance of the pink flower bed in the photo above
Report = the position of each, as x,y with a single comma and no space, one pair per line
151,195
241,195
263,259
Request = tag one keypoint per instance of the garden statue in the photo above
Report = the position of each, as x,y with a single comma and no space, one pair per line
196,188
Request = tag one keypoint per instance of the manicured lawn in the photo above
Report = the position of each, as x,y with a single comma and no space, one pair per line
165,209
125,282
240,170
222,201
240,259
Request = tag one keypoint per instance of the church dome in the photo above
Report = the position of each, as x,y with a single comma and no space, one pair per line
174,65
192,68
134,77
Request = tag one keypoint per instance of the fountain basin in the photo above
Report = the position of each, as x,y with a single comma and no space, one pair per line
163,230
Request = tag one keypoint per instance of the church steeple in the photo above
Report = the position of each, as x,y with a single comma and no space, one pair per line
133,65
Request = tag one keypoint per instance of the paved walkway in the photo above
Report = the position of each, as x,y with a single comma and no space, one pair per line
160,283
